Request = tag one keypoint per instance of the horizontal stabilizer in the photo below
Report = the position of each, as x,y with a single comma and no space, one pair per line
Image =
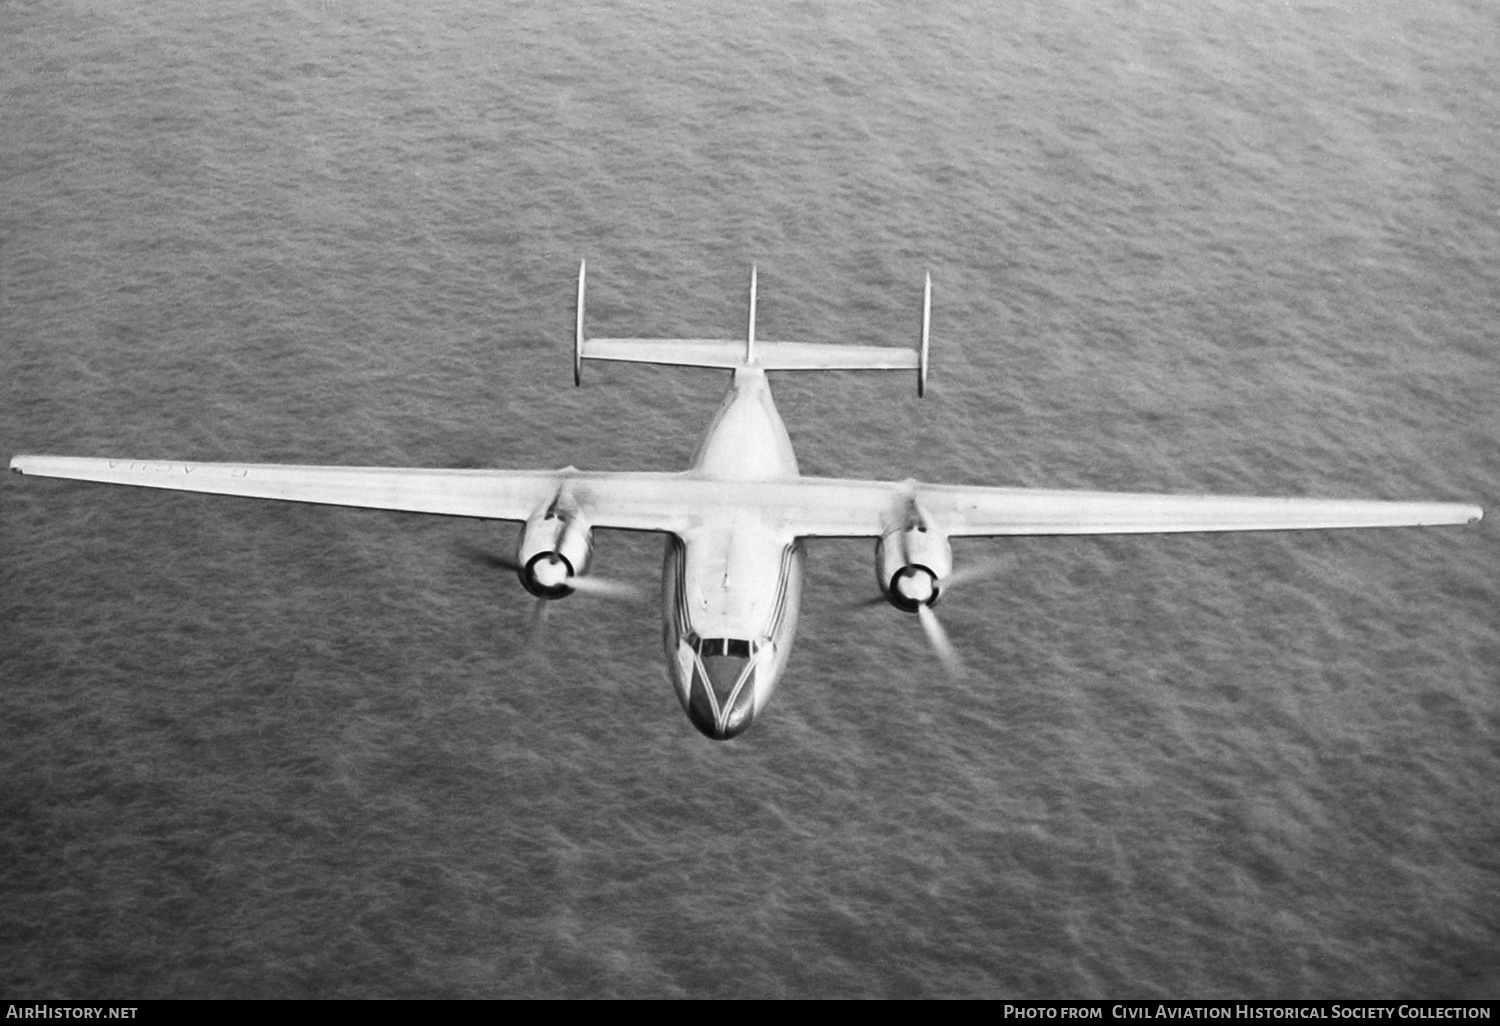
751,352
730,354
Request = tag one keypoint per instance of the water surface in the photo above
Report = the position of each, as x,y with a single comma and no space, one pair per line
264,750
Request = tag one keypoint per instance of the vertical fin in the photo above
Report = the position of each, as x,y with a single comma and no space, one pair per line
926,328
578,331
750,336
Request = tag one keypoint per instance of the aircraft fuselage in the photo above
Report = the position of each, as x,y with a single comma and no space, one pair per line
732,584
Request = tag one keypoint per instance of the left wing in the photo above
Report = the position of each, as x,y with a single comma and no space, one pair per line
486,494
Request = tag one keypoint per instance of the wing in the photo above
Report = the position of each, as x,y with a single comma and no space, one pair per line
984,511
799,507
631,500
852,508
841,507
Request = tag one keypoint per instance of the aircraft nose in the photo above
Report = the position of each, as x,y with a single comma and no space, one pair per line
722,706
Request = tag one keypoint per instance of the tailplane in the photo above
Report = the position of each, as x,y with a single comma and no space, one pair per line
734,354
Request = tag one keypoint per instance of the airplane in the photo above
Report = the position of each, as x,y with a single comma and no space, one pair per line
736,521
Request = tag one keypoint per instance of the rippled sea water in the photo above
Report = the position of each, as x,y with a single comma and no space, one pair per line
263,750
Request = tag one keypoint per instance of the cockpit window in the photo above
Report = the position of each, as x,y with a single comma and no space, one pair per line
725,647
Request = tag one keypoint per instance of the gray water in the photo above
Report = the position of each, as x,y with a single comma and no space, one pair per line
263,750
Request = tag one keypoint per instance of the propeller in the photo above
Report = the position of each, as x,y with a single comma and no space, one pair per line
938,639
484,557
554,572
536,629
974,572
548,573
917,588
604,588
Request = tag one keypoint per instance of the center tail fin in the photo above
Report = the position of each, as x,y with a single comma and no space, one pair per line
750,333
734,354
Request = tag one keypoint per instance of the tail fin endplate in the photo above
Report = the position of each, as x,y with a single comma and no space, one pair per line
731,354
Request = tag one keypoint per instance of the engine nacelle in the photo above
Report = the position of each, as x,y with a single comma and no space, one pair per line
911,565
554,549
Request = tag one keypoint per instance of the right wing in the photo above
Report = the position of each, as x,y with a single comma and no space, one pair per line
1022,511
835,507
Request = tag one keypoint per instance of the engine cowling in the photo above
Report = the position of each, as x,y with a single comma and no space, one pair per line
555,548
911,565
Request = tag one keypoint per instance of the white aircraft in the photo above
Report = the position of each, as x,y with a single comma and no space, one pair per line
736,520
